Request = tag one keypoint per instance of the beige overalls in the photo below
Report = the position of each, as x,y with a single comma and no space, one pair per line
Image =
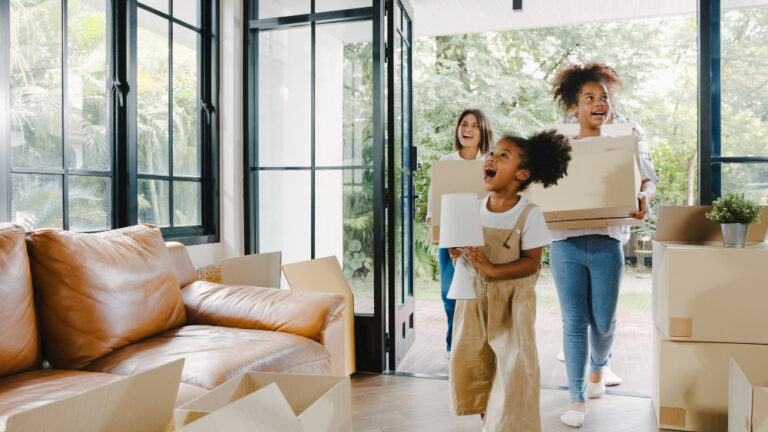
494,366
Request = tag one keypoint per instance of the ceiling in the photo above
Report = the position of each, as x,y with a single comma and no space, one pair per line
444,17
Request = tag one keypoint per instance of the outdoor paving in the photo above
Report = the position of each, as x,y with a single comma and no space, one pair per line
631,356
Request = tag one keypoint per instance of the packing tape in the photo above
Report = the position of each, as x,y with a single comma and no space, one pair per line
681,327
672,416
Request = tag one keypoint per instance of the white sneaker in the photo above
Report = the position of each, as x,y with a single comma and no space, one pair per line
610,378
596,390
573,418
561,356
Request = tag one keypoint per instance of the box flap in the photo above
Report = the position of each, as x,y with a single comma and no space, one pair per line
453,177
739,397
689,224
265,410
142,402
609,129
262,270
326,275
760,409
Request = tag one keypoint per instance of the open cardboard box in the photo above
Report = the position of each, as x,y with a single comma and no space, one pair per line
601,186
262,270
747,394
691,381
696,280
326,275
453,177
141,402
270,402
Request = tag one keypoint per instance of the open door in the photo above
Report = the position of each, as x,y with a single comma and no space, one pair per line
401,165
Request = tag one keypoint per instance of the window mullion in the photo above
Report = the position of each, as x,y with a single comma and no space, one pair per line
170,116
5,112
64,115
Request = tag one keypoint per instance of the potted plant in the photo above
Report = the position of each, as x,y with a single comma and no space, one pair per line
734,213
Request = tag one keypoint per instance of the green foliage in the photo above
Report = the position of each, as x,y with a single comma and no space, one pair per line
734,208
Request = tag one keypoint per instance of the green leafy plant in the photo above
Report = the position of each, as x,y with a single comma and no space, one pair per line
734,208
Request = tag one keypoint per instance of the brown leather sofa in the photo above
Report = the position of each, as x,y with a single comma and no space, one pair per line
77,311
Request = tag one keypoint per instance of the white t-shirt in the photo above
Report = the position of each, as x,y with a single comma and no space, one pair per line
620,233
450,157
535,233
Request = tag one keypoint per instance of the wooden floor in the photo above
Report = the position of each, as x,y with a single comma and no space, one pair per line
399,404
631,355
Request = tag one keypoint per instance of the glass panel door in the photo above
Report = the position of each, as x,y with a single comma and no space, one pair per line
400,167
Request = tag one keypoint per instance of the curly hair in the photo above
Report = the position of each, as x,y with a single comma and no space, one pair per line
612,78
546,155
486,130
570,80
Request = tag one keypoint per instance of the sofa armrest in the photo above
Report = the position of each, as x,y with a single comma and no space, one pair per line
305,314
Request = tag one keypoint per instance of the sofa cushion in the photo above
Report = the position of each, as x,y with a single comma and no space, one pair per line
214,355
28,390
98,292
19,343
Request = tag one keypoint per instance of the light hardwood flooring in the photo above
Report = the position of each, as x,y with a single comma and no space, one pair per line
391,403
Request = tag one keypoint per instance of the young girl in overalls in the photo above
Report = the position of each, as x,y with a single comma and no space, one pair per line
494,368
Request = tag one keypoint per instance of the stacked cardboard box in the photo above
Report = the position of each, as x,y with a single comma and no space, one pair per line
708,303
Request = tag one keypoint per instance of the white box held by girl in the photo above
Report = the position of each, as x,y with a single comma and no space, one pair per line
747,394
452,176
602,183
696,280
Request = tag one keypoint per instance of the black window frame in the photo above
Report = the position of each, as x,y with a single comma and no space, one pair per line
121,127
710,156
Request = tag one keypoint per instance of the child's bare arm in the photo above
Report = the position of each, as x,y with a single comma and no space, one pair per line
526,265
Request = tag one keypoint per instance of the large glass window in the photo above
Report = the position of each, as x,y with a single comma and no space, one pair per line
60,158
743,107
68,144
312,165
168,117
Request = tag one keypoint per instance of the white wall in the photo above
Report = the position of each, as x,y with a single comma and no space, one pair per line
230,109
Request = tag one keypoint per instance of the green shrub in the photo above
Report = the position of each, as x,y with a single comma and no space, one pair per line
734,208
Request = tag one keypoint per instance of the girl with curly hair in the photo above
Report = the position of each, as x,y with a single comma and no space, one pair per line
494,367
587,264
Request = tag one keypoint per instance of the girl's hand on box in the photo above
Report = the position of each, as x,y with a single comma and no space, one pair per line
640,214
478,258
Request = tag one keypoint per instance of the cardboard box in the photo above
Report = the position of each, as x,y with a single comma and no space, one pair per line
262,270
602,183
142,402
326,275
696,280
453,177
257,401
593,223
609,129
747,394
690,382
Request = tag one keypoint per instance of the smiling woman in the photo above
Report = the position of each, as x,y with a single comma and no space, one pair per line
472,138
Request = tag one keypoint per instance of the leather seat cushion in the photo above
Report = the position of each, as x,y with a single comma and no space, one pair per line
98,292
214,355
27,390
19,342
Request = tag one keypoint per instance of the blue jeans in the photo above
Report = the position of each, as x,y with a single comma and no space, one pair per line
446,276
587,271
